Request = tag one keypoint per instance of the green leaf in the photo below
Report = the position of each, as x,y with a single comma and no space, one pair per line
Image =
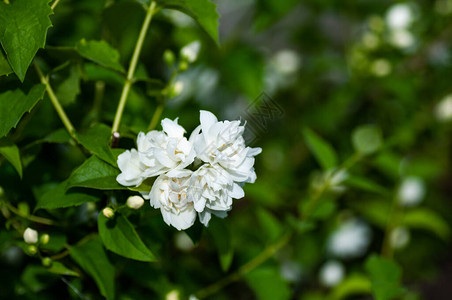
367,139
323,152
222,238
268,284
269,224
59,268
203,11
5,69
10,151
423,218
91,256
13,104
58,197
97,141
119,236
96,174
58,136
69,88
23,30
355,284
385,276
100,52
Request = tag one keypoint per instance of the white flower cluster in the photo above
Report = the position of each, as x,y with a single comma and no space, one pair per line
196,176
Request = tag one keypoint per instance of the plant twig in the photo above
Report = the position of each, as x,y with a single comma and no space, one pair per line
54,4
28,217
133,64
56,103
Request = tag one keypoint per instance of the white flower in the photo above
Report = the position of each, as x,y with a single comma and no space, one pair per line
132,169
443,110
30,236
222,143
108,212
212,191
135,202
331,273
170,194
399,16
190,52
411,191
158,152
350,240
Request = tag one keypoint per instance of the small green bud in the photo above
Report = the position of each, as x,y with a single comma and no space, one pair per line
183,66
46,262
175,89
32,250
24,208
168,57
45,238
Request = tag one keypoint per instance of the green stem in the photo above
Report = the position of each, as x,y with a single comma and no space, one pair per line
28,217
132,67
395,214
156,116
64,118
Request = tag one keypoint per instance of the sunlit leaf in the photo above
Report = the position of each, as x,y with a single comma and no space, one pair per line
385,276
100,52
424,218
10,151
120,237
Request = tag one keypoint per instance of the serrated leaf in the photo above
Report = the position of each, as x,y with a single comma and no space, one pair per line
91,256
97,140
23,30
367,139
119,236
385,276
423,218
10,151
203,11
69,88
323,152
222,238
59,268
13,104
96,174
5,69
58,197
100,52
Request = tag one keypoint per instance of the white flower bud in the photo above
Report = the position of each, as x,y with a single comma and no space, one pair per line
108,212
172,295
331,273
30,236
190,52
135,202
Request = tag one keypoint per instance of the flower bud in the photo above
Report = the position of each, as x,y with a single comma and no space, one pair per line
32,250
30,236
108,212
46,262
190,52
24,208
135,202
183,66
45,238
176,89
168,57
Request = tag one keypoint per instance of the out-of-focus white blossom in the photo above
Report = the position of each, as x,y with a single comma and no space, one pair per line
381,67
170,194
443,110
30,236
399,237
135,202
399,16
290,271
183,242
172,295
402,38
287,61
190,52
331,273
411,191
350,240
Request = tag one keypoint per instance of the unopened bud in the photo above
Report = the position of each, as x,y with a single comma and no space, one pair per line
46,262
32,250
190,52
135,202
24,208
45,238
108,212
176,89
30,236
169,58
183,66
